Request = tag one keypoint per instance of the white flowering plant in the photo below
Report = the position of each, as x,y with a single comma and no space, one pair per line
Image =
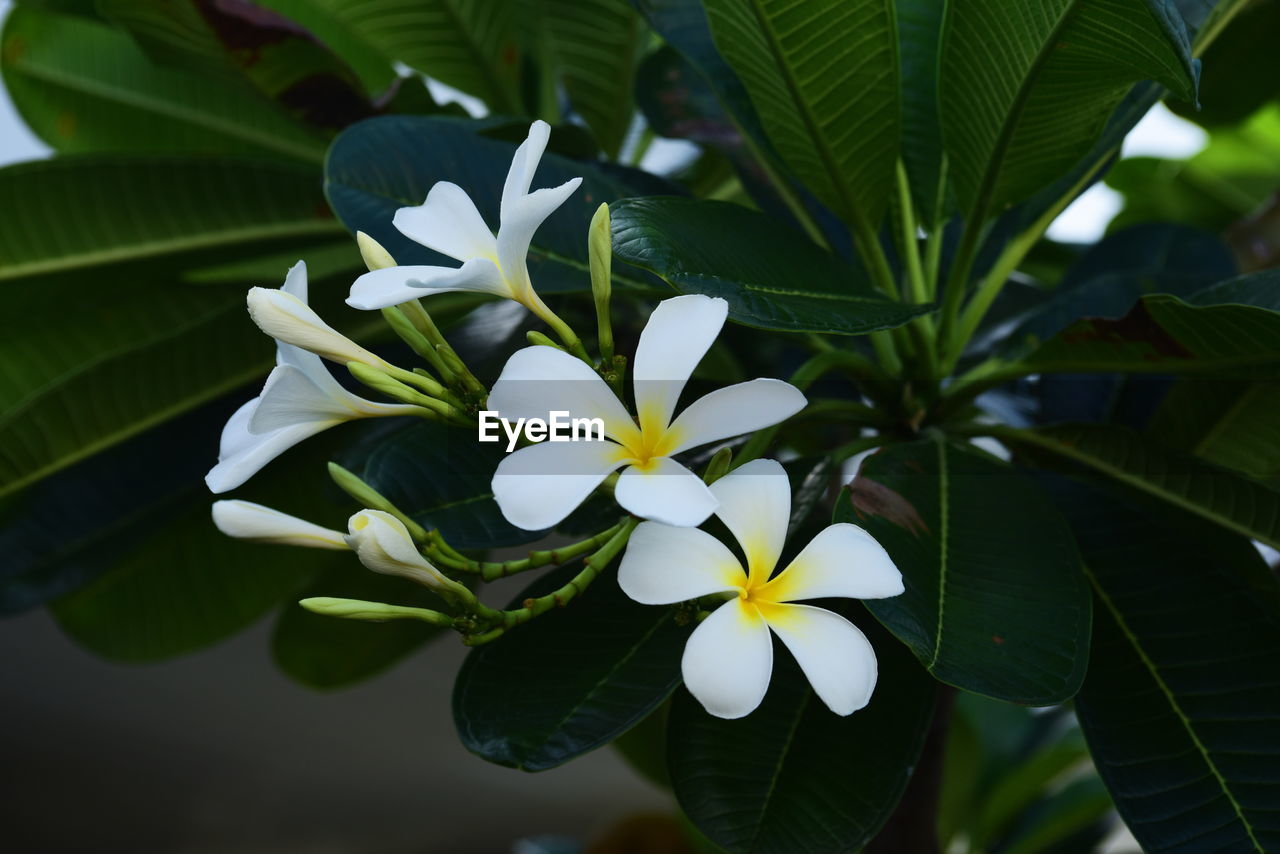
799,471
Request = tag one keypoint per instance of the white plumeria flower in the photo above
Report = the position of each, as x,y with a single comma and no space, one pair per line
728,660
300,398
248,521
449,223
383,544
538,486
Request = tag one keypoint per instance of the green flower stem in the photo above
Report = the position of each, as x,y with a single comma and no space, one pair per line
571,341
1012,255
547,557
369,497
417,314
417,341
593,564
921,328
393,387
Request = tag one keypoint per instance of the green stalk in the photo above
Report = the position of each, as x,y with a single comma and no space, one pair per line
921,328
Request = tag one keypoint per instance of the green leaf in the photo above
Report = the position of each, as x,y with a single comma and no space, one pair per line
384,164
1112,275
1241,69
82,86
184,585
108,209
919,25
440,475
793,776
1180,705
823,76
1235,425
570,681
772,277
466,44
243,43
327,653
325,22
1163,334
1222,497
995,601
1027,86
596,45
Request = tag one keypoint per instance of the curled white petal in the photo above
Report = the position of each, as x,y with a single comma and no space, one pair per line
755,505
733,411
248,521
665,491
293,396
664,565
520,220
538,486
286,318
835,656
842,560
677,336
250,452
524,163
383,544
449,223
728,660
394,285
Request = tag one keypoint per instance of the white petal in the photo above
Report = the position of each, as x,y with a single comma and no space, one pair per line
755,505
524,164
248,521
287,318
677,336
295,281
666,492
728,661
835,656
256,450
394,285
449,223
843,560
383,544
734,410
235,433
539,380
520,220
292,396
664,565
538,486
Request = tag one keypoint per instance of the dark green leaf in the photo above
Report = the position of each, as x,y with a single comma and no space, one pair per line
1235,425
467,44
772,277
1163,334
1222,497
324,21
919,34
1110,277
1027,87
96,210
241,42
596,45
384,164
1241,69
995,600
183,584
824,77
1182,703
439,476
327,653
792,776
570,681
82,86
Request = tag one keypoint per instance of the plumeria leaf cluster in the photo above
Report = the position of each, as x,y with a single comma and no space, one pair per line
795,461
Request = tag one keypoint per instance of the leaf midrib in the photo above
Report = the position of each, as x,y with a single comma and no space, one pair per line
1173,704
944,513
170,110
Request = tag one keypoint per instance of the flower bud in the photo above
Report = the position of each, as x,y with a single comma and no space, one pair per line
286,318
383,544
373,612
600,257
248,521
375,257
